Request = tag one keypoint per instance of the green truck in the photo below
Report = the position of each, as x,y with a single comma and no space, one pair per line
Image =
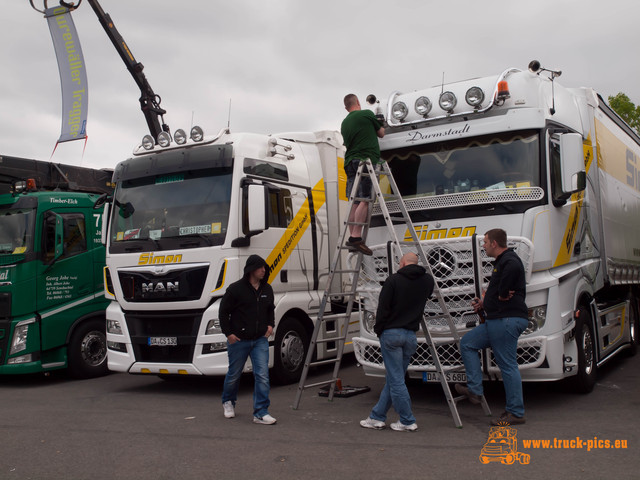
51,268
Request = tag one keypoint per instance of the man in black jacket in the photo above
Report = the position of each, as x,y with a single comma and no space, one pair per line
400,309
247,319
506,317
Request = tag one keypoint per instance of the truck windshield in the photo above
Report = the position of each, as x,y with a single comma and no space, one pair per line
181,210
491,162
16,230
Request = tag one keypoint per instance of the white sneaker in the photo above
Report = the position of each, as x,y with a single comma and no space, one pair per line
400,427
229,411
372,423
264,420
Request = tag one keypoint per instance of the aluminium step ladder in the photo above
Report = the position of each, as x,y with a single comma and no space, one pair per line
350,292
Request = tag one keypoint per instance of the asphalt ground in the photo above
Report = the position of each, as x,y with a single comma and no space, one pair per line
138,427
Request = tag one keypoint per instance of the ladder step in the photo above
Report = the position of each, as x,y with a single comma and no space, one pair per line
318,384
341,294
334,339
324,362
357,223
334,316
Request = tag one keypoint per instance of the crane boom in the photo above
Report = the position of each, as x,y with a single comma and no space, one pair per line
149,101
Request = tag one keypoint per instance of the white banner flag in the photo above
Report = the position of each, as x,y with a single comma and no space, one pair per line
73,75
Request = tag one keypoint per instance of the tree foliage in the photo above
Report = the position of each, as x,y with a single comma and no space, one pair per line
624,107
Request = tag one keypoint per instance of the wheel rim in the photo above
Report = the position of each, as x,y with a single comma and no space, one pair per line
587,349
93,349
633,332
291,351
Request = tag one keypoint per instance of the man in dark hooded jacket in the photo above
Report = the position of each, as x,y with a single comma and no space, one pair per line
400,309
247,319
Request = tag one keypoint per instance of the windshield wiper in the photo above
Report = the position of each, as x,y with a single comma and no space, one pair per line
136,247
195,243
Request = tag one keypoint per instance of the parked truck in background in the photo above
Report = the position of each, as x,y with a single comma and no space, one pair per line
560,172
51,268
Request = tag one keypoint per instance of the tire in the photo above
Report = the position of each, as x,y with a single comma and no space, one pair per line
634,327
290,351
587,374
87,350
484,460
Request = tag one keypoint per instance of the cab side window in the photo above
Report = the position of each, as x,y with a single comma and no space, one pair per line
74,235
280,210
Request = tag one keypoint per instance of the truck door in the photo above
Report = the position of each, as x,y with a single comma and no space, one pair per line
66,278
287,244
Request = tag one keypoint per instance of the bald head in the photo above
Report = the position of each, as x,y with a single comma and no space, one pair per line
408,259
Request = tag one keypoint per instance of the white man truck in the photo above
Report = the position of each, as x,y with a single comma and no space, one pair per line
184,218
555,168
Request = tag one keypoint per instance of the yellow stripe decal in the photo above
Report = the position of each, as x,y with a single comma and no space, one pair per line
294,232
224,276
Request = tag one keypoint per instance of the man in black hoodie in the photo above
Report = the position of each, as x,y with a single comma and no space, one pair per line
400,309
247,319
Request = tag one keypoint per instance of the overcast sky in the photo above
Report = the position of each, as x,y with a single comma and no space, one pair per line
286,64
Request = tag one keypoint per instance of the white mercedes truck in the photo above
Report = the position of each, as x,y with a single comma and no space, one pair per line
560,172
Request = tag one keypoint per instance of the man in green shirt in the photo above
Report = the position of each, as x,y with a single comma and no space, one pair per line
360,131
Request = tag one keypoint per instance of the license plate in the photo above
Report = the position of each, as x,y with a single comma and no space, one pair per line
451,377
163,341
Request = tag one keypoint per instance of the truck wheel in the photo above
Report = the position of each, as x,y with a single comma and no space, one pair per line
484,460
634,327
585,380
509,459
87,350
290,351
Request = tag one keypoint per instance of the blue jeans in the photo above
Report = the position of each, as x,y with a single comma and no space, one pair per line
501,335
397,346
238,353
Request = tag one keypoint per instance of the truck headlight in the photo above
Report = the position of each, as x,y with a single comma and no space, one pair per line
537,317
423,106
399,111
213,327
113,326
368,322
20,335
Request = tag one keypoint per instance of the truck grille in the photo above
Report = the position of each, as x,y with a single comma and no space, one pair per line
452,264
530,354
182,325
172,286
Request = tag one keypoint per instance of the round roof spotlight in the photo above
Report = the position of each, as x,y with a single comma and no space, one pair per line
423,106
448,101
399,111
147,142
164,139
180,136
197,134
474,96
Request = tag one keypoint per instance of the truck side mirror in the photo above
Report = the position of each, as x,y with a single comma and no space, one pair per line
257,196
572,163
59,238
105,223
255,199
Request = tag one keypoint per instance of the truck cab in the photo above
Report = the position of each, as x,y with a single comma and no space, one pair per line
51,260
184,219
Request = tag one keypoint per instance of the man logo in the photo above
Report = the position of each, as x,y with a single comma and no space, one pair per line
160,287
